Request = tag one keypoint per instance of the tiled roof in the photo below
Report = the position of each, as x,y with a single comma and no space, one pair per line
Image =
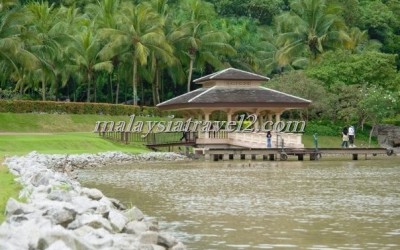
217,95
232,74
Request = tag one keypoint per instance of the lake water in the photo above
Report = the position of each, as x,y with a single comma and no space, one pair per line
327,204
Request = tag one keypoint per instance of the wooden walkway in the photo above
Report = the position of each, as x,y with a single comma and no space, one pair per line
154,140
284,153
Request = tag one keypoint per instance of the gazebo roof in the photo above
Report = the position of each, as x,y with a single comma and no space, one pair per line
233,88
232,74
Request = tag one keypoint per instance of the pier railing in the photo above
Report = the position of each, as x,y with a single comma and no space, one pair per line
151,139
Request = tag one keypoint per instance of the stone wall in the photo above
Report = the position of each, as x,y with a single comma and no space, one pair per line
388,135
60,214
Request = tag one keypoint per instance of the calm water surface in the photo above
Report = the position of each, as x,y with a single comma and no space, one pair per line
264,205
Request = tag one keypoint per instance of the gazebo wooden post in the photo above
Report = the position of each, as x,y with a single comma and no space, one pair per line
207,114
270,118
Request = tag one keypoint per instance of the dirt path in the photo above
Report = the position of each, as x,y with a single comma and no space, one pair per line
21,133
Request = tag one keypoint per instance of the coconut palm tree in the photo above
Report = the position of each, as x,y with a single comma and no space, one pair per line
205,44
139,32
13,55
86,50
105,14
47,33
310,27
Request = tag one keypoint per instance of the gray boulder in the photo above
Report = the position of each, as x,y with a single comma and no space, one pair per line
59,195
117,220
40,178
179,246
92,220
167,241
58,245
134,213
92,193
68,238
136,227
14,207
61,216
148,237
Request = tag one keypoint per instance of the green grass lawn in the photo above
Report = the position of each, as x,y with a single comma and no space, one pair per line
9,188
335,142
48,123
65,143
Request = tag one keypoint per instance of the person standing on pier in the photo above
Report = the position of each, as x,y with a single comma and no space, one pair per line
352,135
269,137
345,138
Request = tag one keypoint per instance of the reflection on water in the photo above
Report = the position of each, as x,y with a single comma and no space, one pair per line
264,205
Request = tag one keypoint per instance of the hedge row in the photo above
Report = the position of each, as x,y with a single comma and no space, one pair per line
24,106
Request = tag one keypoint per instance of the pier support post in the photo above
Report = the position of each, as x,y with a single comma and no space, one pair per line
355,157
207,157
272,157
215,157
226,157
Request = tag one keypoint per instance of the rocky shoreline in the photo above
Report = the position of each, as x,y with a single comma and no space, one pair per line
60,214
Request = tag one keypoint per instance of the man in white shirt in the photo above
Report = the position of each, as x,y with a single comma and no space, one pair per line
351,136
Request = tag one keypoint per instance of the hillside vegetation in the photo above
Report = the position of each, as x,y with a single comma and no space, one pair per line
341,54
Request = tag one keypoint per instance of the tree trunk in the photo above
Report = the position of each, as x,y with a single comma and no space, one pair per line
158,77
88,90
111,88
43,89
153,90
370,135
134,81
117,91
95,88
190,73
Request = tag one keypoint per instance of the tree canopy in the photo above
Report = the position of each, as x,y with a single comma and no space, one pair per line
144,52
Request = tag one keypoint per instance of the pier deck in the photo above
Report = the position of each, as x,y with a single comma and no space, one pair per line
282,154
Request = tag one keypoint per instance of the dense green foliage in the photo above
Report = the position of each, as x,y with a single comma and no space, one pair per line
50,107
338,53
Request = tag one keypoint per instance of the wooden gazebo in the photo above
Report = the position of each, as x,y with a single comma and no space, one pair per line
232,91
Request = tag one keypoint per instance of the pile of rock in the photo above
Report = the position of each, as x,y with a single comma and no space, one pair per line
60,214
388,135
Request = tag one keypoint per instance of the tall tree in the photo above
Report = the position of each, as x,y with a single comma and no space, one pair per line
86,49
310,27
139,31
205,44
13,55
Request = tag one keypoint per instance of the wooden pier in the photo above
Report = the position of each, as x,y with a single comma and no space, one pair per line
284,153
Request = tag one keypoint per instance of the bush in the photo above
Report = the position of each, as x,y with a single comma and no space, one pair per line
25,106
323,128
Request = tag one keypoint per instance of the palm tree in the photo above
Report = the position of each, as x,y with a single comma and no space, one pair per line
139,32
86,50
165,61
47,33
357,41
204,45
105,14
13,55
311,26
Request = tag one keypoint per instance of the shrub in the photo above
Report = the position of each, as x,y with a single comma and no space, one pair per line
25,106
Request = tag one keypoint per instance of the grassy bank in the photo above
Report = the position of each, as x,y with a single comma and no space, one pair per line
55,123
66,143
9,188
